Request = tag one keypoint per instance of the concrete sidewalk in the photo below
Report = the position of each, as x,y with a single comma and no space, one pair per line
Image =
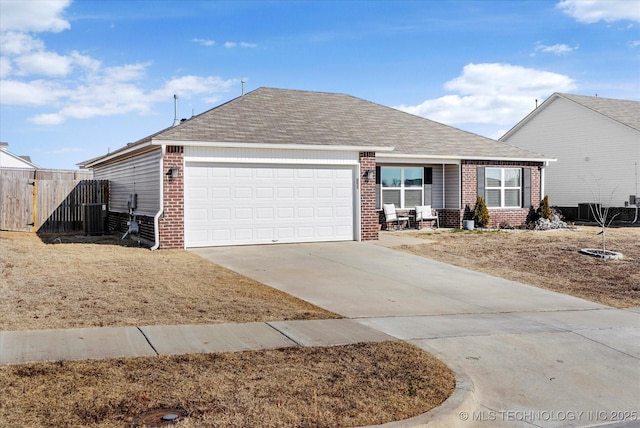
116,342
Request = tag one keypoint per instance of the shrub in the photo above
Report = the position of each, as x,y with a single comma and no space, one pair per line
555,222
545,209
481,214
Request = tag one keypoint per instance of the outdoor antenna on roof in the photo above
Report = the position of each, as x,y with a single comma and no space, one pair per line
176,121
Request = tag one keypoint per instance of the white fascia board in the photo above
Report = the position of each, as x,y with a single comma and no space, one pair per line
411,159
497,158
272,146
454,159
124,152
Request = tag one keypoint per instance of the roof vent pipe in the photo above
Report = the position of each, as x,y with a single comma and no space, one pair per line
176,121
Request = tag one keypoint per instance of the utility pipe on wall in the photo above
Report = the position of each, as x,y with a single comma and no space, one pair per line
156,218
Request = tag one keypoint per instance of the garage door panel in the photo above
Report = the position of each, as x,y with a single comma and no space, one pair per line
218,214
305,192
267,204
243,193
265,193
242,214
223,193
285,192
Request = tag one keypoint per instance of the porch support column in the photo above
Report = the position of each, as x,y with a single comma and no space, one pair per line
368,214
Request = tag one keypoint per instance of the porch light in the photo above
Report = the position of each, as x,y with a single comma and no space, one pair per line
173,173
368,174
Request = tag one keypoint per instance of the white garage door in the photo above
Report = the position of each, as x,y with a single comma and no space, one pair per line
248,204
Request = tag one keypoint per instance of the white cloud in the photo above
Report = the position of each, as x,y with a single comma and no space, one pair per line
5,67
204,42
16,43
32,93
47,119
241,44
591,11
633,43
43,63
187,86
75,85
497,94
557,49
34,16
85,62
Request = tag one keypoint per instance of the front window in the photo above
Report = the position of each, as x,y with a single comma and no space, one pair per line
402,186
503,187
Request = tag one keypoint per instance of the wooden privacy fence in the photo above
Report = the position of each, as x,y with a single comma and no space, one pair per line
47,200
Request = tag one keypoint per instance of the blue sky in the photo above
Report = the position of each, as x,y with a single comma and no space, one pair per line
80,78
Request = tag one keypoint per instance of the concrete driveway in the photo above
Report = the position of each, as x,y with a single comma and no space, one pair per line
528,357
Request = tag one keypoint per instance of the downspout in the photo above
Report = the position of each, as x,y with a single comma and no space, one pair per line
156,218
542,169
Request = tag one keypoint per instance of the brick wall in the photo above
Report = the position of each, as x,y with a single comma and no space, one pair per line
172,221
368,215
513,217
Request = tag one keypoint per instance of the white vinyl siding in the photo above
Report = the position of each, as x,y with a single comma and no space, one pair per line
452,195
437,191
140,175
596,155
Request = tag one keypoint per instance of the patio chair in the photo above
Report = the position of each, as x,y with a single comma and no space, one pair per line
424,212
390,216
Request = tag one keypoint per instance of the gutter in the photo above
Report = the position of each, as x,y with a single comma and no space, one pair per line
156,218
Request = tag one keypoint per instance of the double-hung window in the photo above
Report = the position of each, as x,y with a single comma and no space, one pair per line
503,187
402,186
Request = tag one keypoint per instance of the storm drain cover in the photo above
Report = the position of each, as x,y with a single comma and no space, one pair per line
160,417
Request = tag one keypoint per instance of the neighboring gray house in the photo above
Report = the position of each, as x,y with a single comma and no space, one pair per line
9,160
596,142
277,166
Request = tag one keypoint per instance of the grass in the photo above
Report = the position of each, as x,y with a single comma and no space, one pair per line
99,282
304,387
102,283
549,260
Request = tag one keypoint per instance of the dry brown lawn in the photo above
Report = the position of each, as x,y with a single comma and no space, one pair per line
342,386
548,259
102,283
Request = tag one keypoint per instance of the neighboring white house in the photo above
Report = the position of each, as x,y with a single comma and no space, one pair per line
596,142
9,160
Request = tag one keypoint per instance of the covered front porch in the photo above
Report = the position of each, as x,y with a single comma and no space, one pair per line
450,188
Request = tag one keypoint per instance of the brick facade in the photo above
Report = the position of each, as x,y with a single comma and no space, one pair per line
172,221
512,217
368,214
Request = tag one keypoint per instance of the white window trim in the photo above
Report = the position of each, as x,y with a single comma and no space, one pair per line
502,189
402,187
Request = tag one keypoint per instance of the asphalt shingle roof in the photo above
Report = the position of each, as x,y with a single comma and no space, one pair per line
624,111
282,116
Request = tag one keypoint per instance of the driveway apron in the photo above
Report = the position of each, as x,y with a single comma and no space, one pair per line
534,357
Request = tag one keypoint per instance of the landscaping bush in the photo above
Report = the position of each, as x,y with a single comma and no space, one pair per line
545,210
555,222
481,214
